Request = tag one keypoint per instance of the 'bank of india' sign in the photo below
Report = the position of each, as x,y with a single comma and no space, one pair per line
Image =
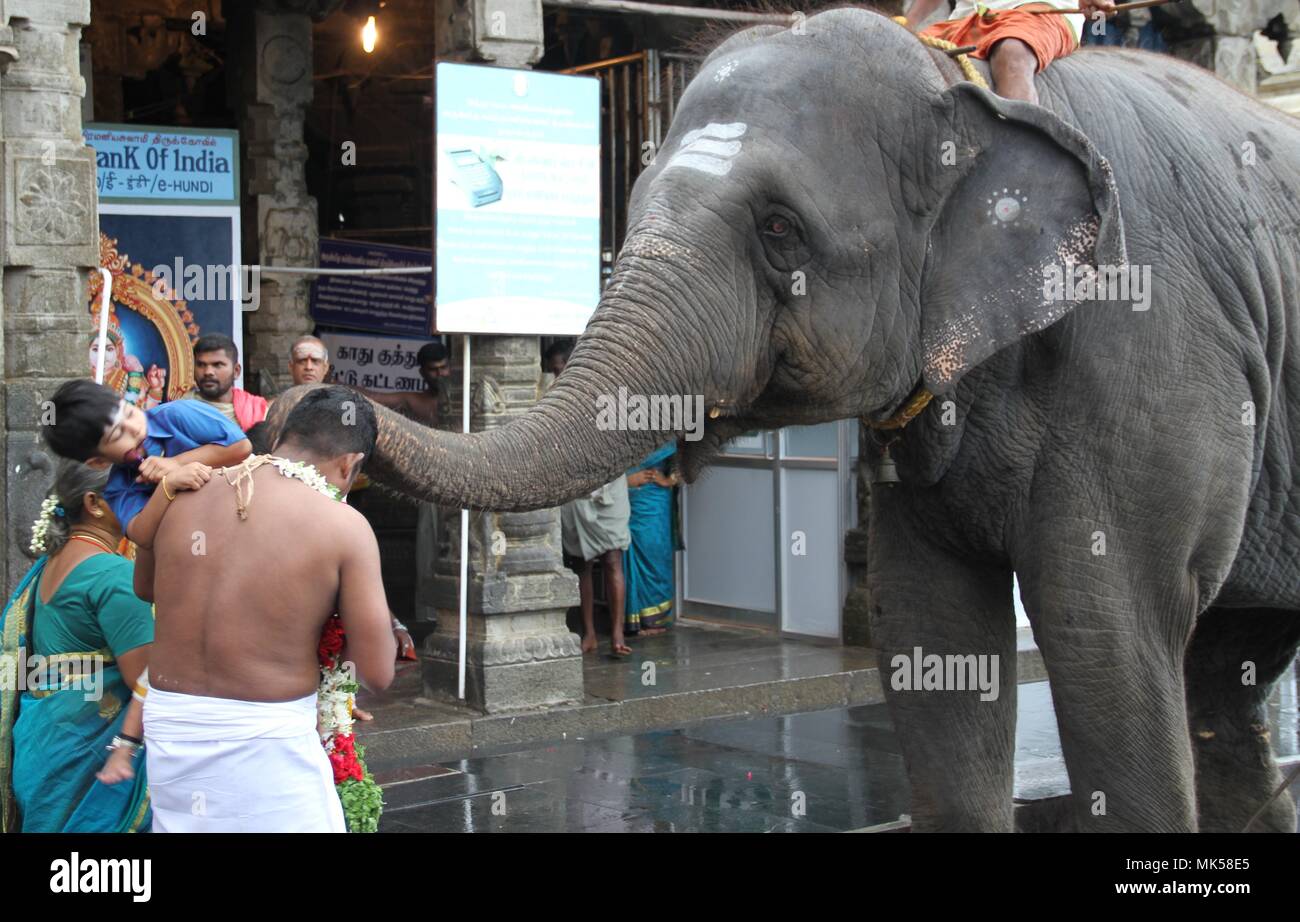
517,200
149,164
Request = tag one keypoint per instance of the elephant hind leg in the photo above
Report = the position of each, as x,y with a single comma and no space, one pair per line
1233,660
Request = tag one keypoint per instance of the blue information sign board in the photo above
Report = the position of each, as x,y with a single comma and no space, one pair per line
518,200
399,305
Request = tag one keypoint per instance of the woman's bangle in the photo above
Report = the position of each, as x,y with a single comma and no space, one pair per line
126,743
169,496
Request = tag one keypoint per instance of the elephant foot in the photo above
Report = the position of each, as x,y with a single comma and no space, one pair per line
1241,797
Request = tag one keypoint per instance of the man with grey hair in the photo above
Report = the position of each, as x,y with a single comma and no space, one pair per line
309,361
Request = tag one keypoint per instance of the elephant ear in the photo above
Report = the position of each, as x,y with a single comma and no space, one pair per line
1025,193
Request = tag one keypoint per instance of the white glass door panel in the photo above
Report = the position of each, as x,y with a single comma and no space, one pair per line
729,552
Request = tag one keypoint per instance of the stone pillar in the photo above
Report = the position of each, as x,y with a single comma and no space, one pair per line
48,238
1219,36
272,68
521,654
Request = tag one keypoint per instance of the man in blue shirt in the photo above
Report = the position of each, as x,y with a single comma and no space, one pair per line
174,446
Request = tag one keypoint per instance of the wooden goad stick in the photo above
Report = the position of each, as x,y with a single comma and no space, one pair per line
1119,8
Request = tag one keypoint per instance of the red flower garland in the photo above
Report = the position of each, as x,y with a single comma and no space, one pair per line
331,642
343,759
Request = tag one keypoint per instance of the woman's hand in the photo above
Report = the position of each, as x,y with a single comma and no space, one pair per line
641,477
117,768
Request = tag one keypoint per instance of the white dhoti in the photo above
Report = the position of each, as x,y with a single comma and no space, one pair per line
224,765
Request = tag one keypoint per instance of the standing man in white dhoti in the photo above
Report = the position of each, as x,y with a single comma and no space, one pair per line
245,572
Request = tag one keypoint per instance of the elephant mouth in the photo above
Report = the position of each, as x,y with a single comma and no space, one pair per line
693,457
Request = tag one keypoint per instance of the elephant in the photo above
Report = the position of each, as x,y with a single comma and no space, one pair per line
839,225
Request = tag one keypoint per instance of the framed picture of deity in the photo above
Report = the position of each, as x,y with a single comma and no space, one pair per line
169,237
176,277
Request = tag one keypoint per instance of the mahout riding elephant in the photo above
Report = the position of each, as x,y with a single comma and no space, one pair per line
839,225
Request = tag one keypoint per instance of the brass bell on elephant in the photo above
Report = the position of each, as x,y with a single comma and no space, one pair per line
886,470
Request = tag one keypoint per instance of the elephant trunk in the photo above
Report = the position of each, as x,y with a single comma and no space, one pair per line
572,441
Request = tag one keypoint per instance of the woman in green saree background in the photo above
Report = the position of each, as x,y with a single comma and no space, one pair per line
73,614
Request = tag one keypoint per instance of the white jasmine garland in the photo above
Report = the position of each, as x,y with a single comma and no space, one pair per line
307,473
41,527
334,703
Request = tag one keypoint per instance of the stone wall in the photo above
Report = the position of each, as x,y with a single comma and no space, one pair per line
48,238
1218,34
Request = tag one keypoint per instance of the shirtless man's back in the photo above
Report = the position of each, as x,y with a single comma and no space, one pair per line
240,603
240,600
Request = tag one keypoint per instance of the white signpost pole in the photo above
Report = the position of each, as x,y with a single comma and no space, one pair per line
103,323
464,533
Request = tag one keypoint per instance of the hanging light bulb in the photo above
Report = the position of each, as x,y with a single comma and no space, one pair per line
369,35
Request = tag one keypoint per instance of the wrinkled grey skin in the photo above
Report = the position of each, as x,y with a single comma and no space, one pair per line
1070,421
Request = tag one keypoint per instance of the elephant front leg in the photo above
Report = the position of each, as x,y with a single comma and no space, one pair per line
1113,646
945,632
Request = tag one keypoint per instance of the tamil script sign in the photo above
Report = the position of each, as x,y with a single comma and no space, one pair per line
517,203
379,363
138,164
398,305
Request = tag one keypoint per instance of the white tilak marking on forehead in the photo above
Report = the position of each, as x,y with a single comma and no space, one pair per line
715,130
724,149
709,149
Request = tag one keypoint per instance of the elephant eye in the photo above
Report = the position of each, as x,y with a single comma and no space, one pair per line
783,241
777,226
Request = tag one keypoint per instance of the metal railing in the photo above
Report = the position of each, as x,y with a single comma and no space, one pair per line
639,94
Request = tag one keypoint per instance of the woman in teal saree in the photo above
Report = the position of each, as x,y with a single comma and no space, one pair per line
74,614
648,562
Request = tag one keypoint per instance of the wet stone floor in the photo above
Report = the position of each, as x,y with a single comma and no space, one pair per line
827,771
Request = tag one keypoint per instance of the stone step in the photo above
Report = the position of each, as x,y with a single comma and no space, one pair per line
718,682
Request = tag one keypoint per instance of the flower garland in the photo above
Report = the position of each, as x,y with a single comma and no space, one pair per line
361,798
307,473
40,528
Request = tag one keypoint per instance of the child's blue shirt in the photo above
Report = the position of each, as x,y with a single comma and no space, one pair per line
171,429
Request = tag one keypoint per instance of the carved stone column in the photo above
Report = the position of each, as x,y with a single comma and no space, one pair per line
48,238
1219,35
272,61
521,654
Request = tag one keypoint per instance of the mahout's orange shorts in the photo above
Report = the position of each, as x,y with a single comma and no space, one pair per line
1050,36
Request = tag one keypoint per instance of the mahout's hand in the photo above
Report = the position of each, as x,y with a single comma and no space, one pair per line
1092,7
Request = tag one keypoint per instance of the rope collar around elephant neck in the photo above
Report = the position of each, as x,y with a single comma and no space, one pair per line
968,68
919,400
